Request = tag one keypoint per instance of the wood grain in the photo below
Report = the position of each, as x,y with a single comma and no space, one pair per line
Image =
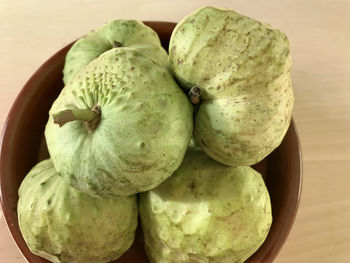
31,31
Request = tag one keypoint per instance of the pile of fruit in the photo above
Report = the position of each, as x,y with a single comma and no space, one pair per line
179,129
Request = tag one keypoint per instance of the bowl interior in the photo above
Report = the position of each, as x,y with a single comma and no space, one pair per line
23,145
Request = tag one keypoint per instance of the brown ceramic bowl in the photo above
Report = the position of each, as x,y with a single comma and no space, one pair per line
23,145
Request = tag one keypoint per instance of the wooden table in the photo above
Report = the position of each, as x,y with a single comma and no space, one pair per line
319,33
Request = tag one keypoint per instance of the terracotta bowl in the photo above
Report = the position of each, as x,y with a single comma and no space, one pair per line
23,145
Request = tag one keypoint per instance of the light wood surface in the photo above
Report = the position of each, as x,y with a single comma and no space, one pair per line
319,33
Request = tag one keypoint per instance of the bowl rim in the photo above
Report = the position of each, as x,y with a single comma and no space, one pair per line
288,228
4,134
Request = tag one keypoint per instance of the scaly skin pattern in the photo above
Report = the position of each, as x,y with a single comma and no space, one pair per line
145,126
206,212
243,68
64,225
129,33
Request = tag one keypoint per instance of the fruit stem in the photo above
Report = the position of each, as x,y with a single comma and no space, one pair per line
91,117
195,95
117,44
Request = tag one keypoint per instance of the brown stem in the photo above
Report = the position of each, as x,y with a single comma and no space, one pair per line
195,95
117,44
91,117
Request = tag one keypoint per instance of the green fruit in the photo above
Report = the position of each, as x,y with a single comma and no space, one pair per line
115,34
136,125
243,68
206,212
64,225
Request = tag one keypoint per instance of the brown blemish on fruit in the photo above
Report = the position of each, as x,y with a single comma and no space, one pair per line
192,185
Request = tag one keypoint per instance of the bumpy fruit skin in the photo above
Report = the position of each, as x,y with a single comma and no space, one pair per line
129,33
243,68
206,212
64,225
145,126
